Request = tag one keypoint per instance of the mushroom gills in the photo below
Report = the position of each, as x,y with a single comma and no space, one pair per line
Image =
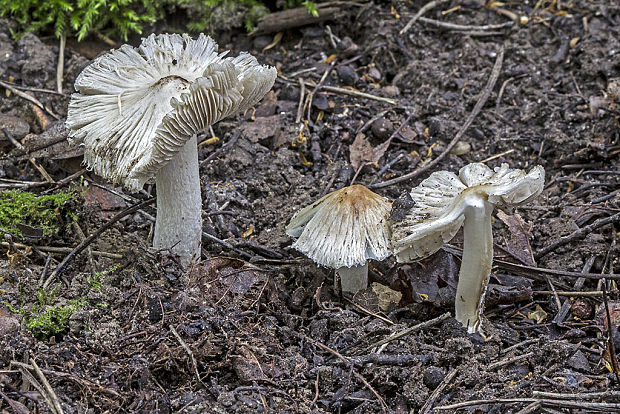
427,245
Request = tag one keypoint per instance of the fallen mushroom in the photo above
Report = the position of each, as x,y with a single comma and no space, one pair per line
137,112
342,231
444,202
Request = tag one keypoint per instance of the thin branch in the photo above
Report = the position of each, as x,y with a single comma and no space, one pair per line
87,241
428,6
497,67
577,234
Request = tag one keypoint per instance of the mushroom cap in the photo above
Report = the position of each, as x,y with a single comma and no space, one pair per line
343,229
135,108
440,201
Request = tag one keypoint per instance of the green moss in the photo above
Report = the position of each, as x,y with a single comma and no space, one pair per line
122,17
79,16
52,320
46,318
45,212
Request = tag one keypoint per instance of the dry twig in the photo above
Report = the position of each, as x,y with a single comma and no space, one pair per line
87,241
404,332
428,6
577,234
29,98
428,405
483,99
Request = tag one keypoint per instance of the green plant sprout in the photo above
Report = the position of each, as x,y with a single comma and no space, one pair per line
80,16
46,319
53,320
45,212
95,283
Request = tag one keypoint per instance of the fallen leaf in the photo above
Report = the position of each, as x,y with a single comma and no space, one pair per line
228,282
432,279
268,105
263,128
361,152
108,203
387,298
518,244
248,232
539,315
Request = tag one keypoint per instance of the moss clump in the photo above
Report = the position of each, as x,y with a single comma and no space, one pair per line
80,16
45,212
52,320
46,318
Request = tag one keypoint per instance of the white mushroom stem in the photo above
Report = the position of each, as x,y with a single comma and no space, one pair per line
476,263
179,205
352,279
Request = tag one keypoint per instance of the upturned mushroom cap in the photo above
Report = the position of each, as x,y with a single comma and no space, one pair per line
437,213
343,229
135,108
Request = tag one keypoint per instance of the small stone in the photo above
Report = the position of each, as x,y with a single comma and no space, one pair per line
432,377
15,125
8,325
374,73
260,42
320,102
347,48
382,128
390,91
579,362
461,148
613,90
347,75
290,93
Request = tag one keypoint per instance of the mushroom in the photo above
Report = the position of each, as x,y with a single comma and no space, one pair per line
137,112
444,202
342,231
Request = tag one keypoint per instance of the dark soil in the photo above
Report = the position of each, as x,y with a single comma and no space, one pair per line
235,334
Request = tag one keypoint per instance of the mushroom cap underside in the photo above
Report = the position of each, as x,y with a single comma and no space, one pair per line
135,108
440,201
344,228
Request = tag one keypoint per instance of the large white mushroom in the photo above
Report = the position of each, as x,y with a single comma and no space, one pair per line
137,112
342,231
444,202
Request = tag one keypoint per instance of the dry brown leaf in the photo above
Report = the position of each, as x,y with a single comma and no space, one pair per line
361,152
518,244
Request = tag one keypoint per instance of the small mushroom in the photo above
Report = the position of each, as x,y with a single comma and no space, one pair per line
444,202
342,231
137,112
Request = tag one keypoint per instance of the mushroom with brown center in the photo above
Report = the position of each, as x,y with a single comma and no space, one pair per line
342,231
137,112
444,202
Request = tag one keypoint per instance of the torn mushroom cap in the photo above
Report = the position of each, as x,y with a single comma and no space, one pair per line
438,211
343,229
136,107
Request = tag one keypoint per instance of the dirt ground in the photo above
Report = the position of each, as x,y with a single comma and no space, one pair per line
255,327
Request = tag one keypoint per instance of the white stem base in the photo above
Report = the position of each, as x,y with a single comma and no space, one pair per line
179,205
352,279
476,264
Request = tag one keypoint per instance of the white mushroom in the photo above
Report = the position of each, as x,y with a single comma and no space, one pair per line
444,202
137,112
342,231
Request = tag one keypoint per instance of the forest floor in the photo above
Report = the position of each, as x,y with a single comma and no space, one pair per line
256,327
